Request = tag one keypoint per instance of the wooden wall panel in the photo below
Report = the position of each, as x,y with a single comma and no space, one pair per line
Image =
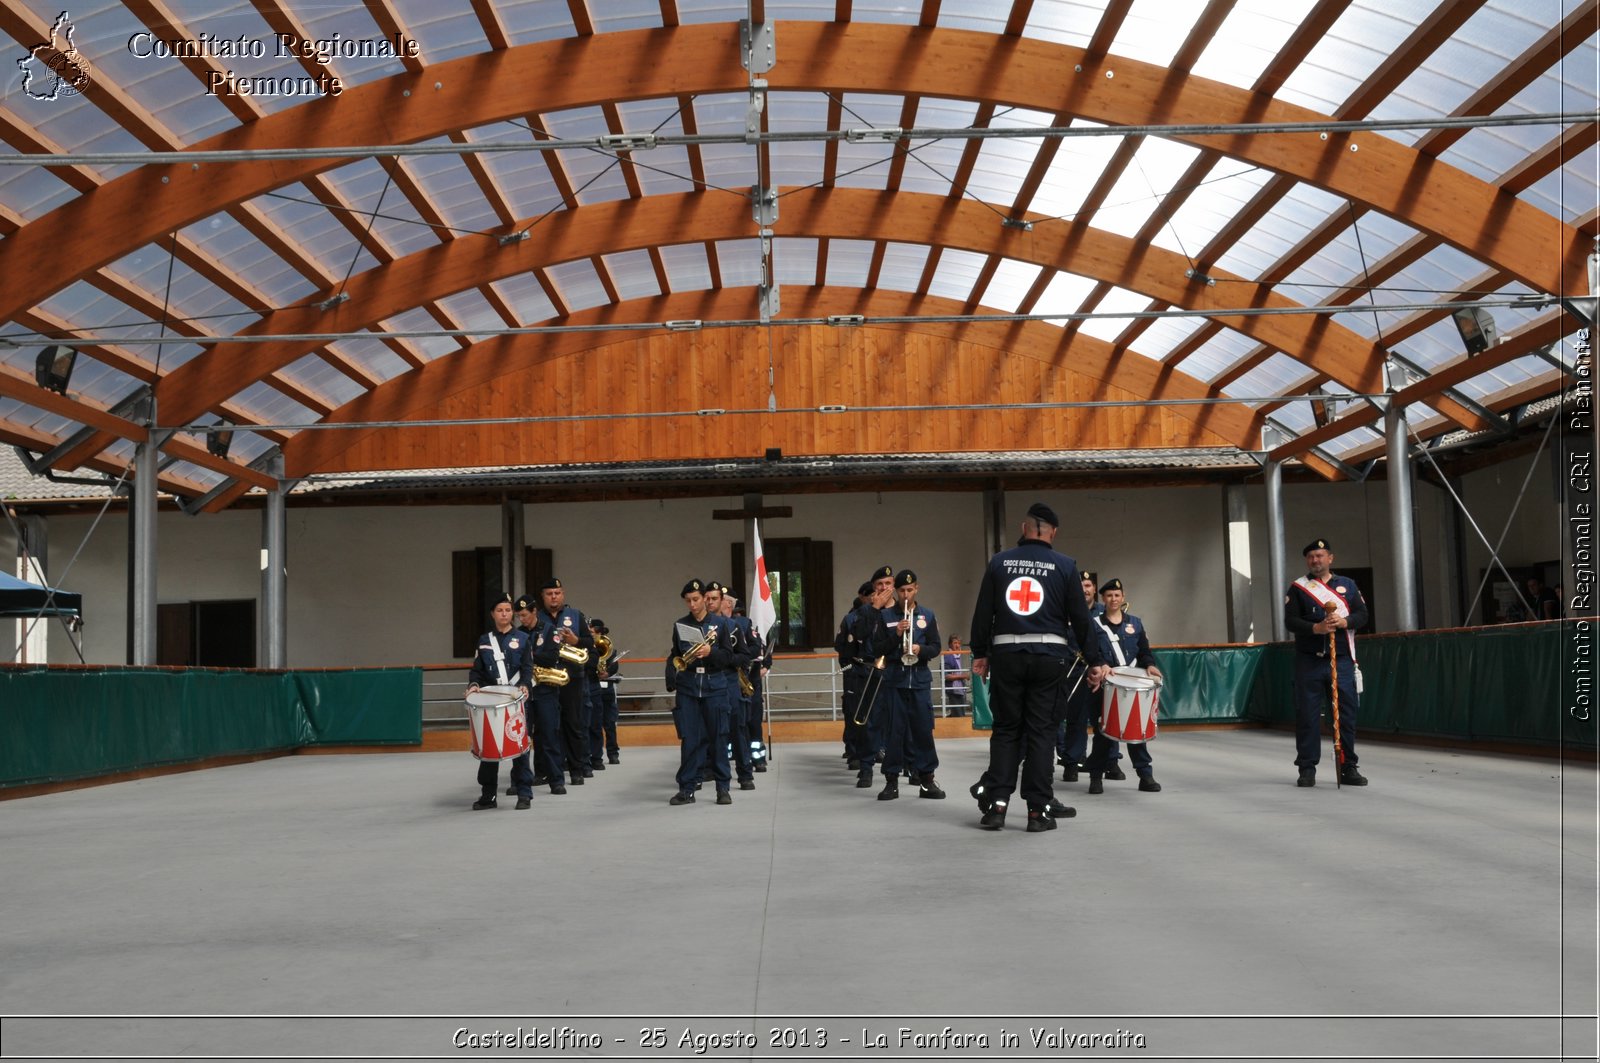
728,369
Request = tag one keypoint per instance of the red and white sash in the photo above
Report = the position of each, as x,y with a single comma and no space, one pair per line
1332,604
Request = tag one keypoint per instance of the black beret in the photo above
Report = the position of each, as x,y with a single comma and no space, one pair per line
715,586
550,584
886,572
1317,544
694,586
1111,585
596,622
525,602
864,590
905,577
1044,514
504,599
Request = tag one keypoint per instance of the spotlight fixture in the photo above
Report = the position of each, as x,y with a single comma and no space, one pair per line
220,438
54,367
1478,332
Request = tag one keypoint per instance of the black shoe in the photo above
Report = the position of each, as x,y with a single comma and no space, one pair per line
1350,776
1061,811
558,789
613,759
588,773
597,764
984,804
761,765
747,784
929,789
864,779
1039,819
577,779
539,780
724,797
681,799
1148,784
487,801
523,802
1308,777
891,789
1114,773
853,764
1069,774
1095,785
994,817
511,791
913,778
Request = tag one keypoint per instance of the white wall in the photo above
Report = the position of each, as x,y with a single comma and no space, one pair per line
371,585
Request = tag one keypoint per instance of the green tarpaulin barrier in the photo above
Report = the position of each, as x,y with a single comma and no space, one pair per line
982,718
59,724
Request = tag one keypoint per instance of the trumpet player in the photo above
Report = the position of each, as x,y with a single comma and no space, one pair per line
705,650
739,694
863,649
909,684
574,642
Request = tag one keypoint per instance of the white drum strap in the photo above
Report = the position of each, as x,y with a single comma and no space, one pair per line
500,662
1116,643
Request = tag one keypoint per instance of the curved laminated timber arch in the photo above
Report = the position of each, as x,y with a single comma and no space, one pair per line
479,89
621,225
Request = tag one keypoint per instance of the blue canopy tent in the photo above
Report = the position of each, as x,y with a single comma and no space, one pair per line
20,598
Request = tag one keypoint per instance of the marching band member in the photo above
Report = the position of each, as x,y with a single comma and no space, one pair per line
570,630
1122,643
606,682
869,644
914,637
1322,609
503,659
697,673
1072,743
854,673
738,702
1028,600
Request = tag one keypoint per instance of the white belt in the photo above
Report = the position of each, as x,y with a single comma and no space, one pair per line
1008,640
699,671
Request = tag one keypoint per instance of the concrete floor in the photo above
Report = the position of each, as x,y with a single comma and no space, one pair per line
1231,915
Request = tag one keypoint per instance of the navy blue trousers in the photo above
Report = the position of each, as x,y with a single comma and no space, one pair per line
1312,690
910,738
703,730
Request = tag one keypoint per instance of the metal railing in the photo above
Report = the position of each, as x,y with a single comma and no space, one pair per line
800,686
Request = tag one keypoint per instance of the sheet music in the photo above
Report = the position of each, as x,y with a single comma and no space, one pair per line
688,634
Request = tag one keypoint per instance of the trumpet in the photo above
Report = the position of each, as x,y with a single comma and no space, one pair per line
683,662
908,644
550,677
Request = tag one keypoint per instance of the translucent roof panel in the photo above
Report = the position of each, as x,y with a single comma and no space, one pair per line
1219,352
372,355
75,124
324,21
470,309
693,11
1571,192
30,191
521,178
1163,335
322,380
443,31
796,163
1003,163
903,265
454,194
957,272
1213,204
849,263
739,262
1249,40
367,189
726,165
1289,221
633,274
930,165
429,347
296,213
263,58
1154,30
866,165
665,169
1070,22
1064,295
1275,376
191,299
1077,165
794,261
530,21
596,175
1008,286
1351,51
578,284
687,270
236,250
1155,169
615,15
265,404
983,16
1116,301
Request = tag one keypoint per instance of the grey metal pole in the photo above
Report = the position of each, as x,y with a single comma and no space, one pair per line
274,639
1276,553
513,549
142,528
1236,557
1401,531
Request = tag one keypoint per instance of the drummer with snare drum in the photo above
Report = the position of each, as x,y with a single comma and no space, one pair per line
1123,644
504,659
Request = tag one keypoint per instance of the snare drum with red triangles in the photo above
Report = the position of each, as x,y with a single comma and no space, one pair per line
1128,701
499,723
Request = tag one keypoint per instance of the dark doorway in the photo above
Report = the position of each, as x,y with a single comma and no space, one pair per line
218,634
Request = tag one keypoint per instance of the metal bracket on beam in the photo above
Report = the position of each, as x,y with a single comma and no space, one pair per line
1582,309
262,463
1197,275
758,46
769,302
764,206
754,106
627,141
886,135
1416,372
332,301
1022,224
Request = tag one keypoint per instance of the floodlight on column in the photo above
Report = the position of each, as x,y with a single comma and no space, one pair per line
53,369
220,438
1477,328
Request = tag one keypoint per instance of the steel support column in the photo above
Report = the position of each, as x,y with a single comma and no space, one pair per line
513,549
274,638
1277,556
1236,554
1401,531
142,533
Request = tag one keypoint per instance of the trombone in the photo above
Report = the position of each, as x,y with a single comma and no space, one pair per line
684,660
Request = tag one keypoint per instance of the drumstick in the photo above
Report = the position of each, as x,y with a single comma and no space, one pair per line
1333,675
